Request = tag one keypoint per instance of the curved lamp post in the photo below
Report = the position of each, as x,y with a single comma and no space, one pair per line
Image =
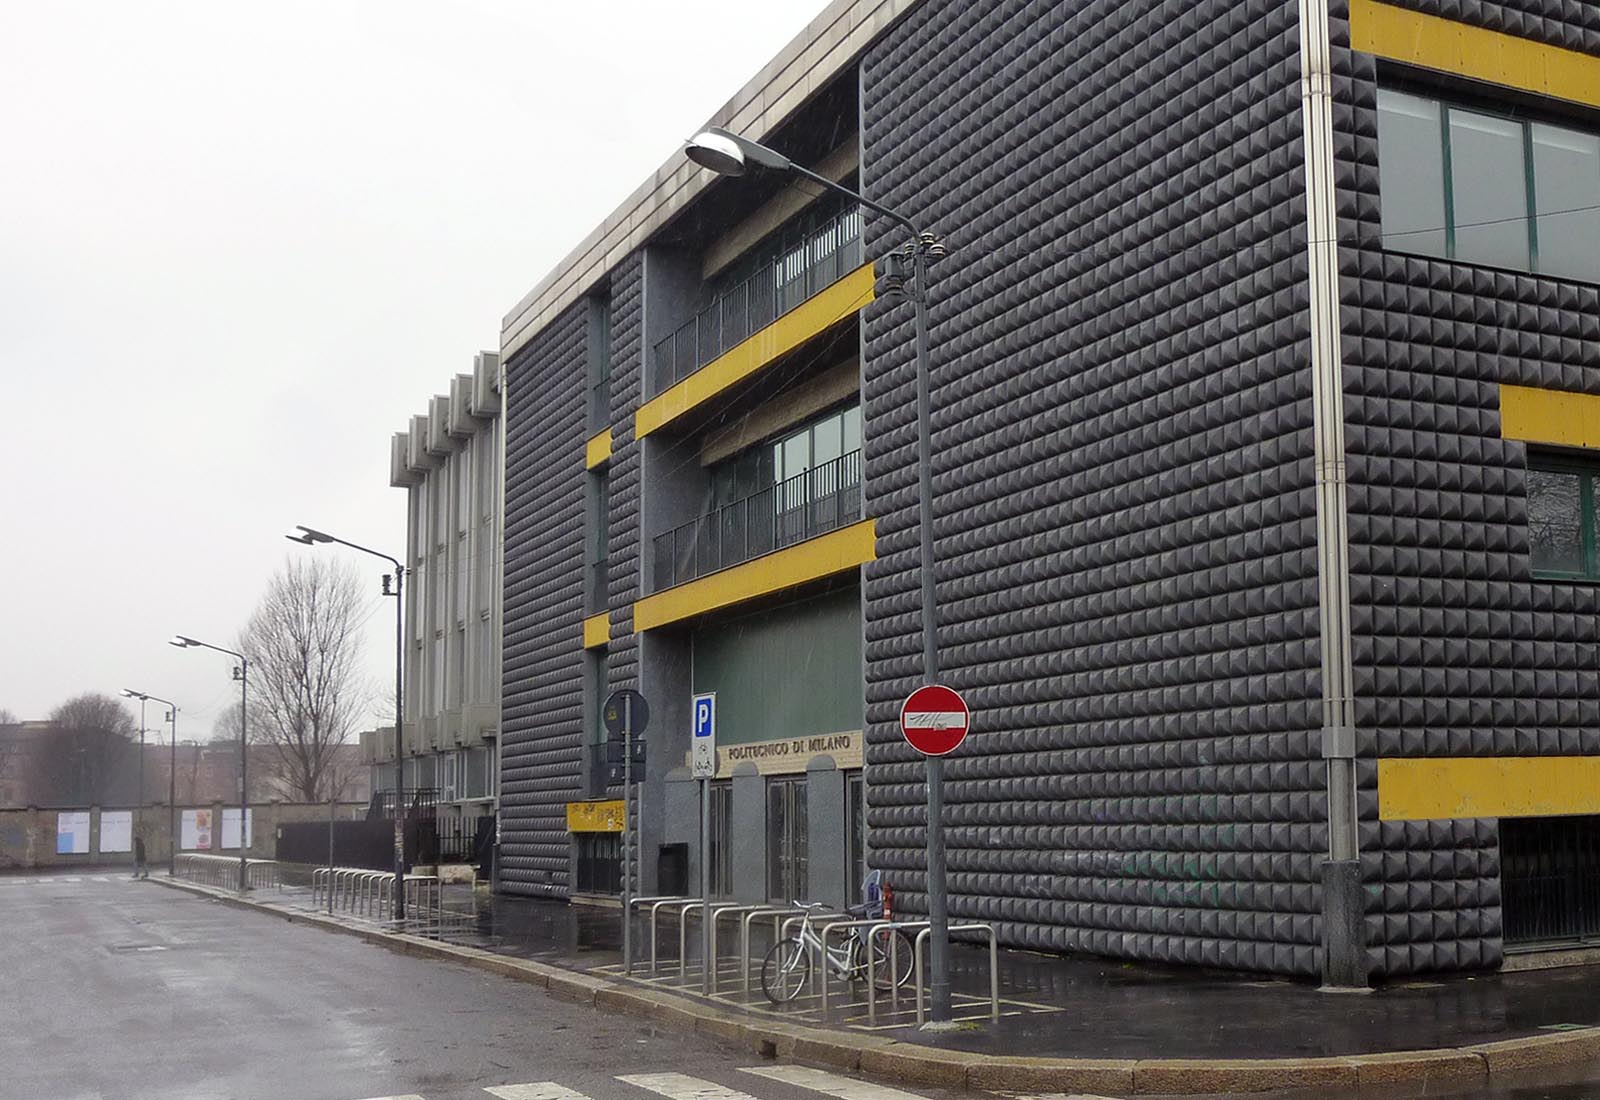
728,154
241,673
310,536
172,770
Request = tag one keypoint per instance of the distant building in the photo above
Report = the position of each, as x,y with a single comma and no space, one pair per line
448,461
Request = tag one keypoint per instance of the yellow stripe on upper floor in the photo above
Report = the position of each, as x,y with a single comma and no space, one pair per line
814,559
812,317
1440,788
1445,45
1550,416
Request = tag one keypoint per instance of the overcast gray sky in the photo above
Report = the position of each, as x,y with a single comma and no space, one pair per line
241,243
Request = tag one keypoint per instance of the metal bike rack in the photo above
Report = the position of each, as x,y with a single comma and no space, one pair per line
655,913
816,915
628,914
777,913
717,913
994,974
828,930
683,936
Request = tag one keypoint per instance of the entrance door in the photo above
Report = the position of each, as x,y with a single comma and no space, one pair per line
787,878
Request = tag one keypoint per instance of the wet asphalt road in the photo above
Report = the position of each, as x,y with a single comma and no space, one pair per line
116,990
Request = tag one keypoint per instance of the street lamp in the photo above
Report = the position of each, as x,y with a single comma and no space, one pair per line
241,673
728,154
128,693
310,536
172,771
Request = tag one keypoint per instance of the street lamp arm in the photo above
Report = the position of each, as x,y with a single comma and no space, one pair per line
893,215
313,536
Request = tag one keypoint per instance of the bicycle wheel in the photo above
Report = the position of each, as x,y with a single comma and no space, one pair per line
882,979
786,971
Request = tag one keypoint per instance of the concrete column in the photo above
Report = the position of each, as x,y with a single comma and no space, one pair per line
827,840
678,814
749,839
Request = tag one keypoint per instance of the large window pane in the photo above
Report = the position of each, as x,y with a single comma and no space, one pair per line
1566,184
1488,183
826,440
1411,173
1555,521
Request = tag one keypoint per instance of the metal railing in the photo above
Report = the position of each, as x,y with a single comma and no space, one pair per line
798,270
811,503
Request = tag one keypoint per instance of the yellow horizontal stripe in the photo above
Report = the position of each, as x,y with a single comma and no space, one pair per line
1488,786
596,630
811,560
595,817
1550,416
1451,47
815,315
597,449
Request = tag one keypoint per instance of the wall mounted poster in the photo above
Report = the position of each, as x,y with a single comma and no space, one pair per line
72,833
230,827
195,832
116,831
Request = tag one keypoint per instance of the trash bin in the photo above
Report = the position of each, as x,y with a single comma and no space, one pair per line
672,870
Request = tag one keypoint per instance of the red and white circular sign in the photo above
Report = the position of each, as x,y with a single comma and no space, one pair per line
934,719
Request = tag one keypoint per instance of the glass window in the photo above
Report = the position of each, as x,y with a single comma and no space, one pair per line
1563,530
796,454
1489,194
827,439
1411,173
1566,172
722,839
851,428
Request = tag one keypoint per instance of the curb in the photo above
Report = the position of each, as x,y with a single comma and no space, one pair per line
957,1069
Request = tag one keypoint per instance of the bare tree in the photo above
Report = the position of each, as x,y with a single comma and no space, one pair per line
304,645
87,755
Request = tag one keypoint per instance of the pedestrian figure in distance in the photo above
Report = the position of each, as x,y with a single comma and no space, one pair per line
140,870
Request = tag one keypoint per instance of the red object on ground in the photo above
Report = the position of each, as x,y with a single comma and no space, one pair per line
934,719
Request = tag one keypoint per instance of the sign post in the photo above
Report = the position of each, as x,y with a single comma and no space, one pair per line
626,713
704,767
934,719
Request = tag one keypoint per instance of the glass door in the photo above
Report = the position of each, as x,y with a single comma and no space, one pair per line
787,837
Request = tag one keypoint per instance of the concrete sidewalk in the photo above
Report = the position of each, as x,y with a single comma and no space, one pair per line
1070,1024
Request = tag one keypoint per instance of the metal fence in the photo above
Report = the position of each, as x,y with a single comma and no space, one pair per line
811,503
419,801
799,269
1550,879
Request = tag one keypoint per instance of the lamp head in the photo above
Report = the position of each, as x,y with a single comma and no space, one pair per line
181,642
301,539
717,152
309,535
129,693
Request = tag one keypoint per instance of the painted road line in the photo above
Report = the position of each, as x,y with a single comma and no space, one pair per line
820,1080
1053,1096
537,1090
680,1086
403,1096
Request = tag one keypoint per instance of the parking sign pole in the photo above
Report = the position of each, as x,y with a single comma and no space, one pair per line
627,833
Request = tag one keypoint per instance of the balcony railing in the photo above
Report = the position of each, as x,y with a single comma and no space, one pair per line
809,504
799,270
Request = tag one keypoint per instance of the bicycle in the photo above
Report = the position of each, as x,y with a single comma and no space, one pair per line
786,969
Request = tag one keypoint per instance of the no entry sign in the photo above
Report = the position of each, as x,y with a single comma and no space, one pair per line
934,720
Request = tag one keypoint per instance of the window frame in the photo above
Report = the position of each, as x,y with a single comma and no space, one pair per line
1588,472
1449,100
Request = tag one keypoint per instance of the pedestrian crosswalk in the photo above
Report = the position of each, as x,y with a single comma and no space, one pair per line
57,880
682,1086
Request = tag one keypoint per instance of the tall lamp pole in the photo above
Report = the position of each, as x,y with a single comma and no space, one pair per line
728,154
172,771
310,536
241,673
138,820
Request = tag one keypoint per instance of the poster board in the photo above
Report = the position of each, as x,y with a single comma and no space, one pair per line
116,831
72,833
230,828
194,834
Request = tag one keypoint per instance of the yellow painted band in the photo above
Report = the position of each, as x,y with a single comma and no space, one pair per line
811,560
596,630
595,817
813,316
1550,416
1448,46
1487,786
597,450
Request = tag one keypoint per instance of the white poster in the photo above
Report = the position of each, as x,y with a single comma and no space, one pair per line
195,832
230,828
116,831
72,833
